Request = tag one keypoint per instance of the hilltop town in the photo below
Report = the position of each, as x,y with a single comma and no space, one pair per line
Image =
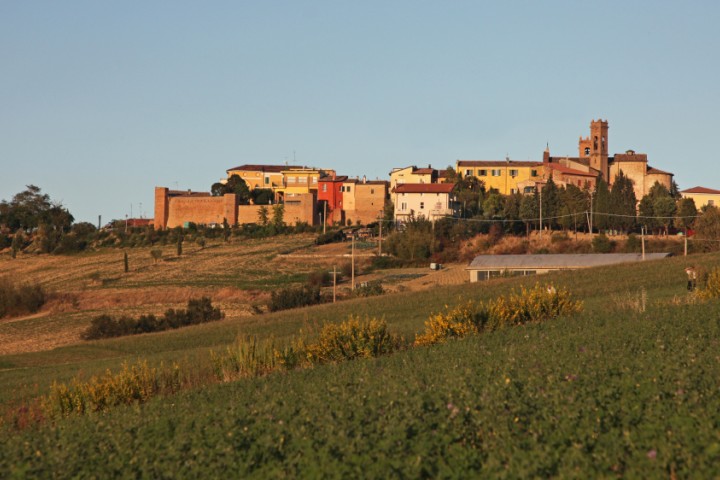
317,196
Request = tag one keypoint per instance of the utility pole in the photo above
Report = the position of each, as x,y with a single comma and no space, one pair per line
541,227
324,215
591,213
352,262
642,236
334,282
380,241
686,241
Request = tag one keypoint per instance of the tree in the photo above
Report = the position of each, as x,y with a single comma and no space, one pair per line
622,203
529,210
470,193
263,216
235,185
686,213
657,204
31,208
574,203
601,205
492,206
550,203
262,196
664,208
707,227
278,214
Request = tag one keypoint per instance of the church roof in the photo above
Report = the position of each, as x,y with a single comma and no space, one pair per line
656,171
701,190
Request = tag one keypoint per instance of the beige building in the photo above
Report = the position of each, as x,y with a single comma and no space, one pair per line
259,176
703,196
363,200
411,174
431,201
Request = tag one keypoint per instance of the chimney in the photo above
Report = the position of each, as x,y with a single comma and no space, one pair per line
364,179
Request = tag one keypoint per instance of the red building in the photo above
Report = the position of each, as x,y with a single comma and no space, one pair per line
330,198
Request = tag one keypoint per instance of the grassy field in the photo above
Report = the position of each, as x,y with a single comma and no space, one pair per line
619,390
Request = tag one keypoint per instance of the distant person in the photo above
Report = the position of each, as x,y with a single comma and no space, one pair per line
692,278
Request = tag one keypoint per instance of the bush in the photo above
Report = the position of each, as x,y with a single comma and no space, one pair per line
534,305
370,289
247,357
330,237
20,299
353,338
294,297
633,244
198,311
711,285
319,278
133,384
602,244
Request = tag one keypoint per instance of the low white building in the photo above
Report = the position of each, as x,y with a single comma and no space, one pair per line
431,201
485,267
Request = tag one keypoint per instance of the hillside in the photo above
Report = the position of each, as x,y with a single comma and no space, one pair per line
614,391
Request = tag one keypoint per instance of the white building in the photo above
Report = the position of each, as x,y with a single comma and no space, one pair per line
431,201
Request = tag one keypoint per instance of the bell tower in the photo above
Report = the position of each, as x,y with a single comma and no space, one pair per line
599,147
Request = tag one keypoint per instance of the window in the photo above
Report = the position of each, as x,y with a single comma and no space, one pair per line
587,150
528,189
291,179
513,173
482,173
267,180
496,172
347,189
512,191
533,173
468,173
324,187
403,206
314,179
422,205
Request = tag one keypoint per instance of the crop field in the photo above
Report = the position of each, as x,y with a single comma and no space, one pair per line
627,388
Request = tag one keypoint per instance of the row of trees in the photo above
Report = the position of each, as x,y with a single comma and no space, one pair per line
572,208
238,186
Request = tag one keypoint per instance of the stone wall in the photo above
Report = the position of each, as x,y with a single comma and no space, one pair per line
174,208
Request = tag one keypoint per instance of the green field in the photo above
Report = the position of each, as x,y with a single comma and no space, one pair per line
617,391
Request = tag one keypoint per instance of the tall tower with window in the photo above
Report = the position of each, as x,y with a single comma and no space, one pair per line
599,147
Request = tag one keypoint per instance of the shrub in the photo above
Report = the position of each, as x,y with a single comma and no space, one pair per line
294,297
353,338
247,357
133,384
198,311
20,299
711,287
330,237
534,305
602,244
319,278
156,254
370,289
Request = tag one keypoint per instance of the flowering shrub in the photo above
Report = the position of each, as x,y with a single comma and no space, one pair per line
533,305
353,338
712,285
456,322
133,384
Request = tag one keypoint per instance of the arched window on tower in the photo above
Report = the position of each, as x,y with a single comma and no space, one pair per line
603,144
587,150
595,143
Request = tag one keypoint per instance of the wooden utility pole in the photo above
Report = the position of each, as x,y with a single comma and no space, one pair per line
541,227
380,242
334,283
324,215
352,262
686,241
642,236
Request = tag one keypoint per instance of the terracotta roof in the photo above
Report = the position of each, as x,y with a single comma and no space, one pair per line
630,157
701,190
498,163
424,188
651,170
340,178
424,171
261,168
570,171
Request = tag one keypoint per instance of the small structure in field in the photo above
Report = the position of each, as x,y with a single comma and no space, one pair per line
485,267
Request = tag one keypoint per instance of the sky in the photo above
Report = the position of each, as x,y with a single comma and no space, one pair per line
102,101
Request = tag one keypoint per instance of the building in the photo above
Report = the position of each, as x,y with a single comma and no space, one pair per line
411,174
593,161
507,177
330,199
363,201
485,267
259,176
431,201
703,196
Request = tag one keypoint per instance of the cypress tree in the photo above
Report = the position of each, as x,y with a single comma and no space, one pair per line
125,262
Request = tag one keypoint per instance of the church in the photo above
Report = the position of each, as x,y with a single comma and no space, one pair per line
593,162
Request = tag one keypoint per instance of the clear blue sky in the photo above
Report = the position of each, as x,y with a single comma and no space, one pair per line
102,101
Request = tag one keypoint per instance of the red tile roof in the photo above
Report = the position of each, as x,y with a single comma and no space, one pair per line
701,190
337,179
424,171
424,188
498,163
630,157
571,171
650,170
261,168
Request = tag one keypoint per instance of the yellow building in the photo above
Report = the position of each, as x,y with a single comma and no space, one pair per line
703,196
411,174
259,176
507,177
